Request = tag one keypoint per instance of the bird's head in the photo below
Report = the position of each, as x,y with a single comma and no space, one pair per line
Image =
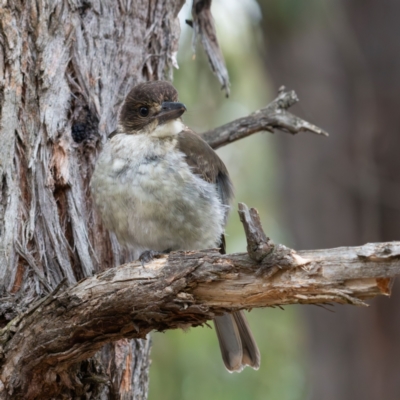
152,108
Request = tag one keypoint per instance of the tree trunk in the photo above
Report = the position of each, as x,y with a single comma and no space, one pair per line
342,58
65,68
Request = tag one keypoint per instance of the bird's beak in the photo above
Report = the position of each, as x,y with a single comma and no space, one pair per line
170,110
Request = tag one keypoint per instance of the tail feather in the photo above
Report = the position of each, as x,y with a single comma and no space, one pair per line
237,344
251,353
229,342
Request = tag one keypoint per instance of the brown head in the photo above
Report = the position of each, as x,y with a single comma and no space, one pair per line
149,105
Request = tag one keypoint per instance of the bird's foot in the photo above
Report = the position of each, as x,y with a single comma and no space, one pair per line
148,256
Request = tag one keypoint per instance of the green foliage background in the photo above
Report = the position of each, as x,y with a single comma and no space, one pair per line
188,365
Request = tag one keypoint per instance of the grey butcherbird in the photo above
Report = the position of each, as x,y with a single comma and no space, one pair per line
160,187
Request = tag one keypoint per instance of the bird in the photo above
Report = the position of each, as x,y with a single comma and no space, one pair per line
159,187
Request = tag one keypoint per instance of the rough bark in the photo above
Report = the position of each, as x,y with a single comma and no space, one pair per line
65,67
182,289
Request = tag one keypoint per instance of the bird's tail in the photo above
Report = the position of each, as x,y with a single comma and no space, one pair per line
237,344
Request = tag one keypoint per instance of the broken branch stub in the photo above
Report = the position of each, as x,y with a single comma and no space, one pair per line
258,244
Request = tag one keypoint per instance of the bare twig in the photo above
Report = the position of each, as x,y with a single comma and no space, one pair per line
273,116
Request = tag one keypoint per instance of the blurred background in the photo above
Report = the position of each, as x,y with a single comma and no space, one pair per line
343,60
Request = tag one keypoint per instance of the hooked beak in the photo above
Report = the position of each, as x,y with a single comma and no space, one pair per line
170,110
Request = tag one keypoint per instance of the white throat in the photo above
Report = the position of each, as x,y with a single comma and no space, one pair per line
170,128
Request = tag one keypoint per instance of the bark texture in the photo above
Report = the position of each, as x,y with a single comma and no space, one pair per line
65,67
182,289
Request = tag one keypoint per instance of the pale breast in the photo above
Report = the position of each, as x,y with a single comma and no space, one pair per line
149,197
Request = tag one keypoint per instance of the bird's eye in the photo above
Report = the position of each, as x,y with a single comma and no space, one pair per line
144,111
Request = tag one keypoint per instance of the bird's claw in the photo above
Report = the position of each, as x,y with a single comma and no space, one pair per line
148,256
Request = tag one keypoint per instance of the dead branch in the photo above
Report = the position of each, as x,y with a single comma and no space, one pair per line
183,289
273,116
203,27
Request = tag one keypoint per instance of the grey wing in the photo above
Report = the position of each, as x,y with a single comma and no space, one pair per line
206,163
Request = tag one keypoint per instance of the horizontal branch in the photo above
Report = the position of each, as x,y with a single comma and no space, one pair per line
182,289
273,116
